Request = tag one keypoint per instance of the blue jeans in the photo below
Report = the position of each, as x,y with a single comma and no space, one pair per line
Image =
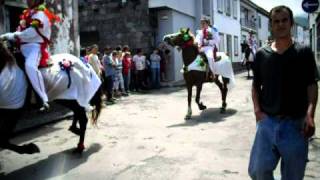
275,139
155,77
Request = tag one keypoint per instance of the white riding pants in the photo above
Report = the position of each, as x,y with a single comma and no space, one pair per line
32,54
208,50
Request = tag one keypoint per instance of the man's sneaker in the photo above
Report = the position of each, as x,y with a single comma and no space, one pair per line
45,107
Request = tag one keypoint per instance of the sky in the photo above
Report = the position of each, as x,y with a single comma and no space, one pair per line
294,5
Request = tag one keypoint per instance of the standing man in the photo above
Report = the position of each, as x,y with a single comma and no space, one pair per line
207,40
33,36
139,61
109,67
284,94
155,60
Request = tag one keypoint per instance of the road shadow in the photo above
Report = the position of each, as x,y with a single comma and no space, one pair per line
55,165
160,91
211,115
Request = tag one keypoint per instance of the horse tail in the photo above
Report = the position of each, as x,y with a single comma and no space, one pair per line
96,101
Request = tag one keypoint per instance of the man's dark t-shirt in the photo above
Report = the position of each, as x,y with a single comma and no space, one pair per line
281,80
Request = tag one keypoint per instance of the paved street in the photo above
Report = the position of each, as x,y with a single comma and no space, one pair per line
145,136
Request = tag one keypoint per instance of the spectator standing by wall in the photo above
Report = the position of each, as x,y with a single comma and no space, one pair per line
109,67
118,82
126,62
155,69
94,60
140,65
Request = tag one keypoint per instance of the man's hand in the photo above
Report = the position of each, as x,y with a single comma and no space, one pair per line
309,126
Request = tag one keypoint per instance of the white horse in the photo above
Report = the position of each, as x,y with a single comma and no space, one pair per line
76,87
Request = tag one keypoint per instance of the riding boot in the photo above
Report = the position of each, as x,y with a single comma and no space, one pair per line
45,107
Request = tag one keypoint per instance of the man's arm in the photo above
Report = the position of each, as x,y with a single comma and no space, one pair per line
312,98
309,128
256,105
256,88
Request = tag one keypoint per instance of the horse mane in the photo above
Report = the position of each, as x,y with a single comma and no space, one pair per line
6,56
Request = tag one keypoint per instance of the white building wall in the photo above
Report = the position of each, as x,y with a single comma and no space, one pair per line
263,31
306,37
184,6
178,14
314,42
170,21
299,34
229,25
180,21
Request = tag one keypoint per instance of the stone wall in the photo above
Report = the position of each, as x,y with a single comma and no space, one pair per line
65,34
111,22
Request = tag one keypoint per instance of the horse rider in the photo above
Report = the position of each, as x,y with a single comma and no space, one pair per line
207,39
33,36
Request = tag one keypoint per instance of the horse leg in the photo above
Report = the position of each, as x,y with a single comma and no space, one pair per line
83,120
73,128
248,69
222,91
200,104
7,127
189,113
80,115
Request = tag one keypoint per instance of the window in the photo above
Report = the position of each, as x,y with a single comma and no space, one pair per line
235,9
206,7
229,46
220,6
236,45
228,7
259,21
221,43
243,38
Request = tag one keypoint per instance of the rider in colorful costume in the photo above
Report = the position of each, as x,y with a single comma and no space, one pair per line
207,40
33,36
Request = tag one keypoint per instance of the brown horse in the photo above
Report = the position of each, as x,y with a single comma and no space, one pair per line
195,76
12,108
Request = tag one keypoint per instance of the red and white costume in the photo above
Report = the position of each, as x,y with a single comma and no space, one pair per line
208,39
33,35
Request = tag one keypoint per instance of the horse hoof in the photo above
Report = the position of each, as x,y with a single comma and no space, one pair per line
222,110
74,130
29,149
187,117
202,107
79,149
224,105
